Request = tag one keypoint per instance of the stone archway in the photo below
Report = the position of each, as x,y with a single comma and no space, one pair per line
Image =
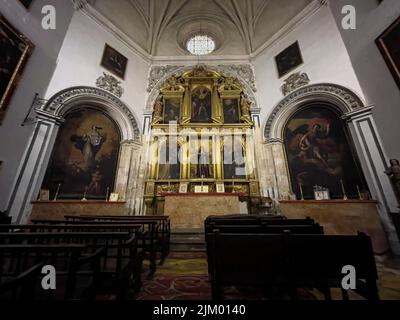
49,115
360,123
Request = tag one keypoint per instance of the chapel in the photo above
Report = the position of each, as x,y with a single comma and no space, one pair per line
200,150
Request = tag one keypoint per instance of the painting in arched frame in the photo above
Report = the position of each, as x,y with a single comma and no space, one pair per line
85,156
320,153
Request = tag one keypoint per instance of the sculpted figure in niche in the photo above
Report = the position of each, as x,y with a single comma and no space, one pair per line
245,106
394,174
158,110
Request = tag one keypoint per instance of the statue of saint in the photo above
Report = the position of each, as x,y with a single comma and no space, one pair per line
203,169
394,174
245,106
158,110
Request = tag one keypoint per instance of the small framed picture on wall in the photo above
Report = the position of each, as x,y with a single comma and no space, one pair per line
114,62
289,59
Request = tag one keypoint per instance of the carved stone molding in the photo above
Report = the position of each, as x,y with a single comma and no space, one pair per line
58,103
160,74
111,84
157,73
342,97
295,81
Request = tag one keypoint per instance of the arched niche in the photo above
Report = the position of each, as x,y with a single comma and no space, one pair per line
358,119
84,161
320,153
72,98
50,116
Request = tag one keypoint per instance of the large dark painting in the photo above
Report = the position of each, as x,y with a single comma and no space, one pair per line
14,52
231,110
319,154
201,105
289,59
172,109
85,156
389,44
114,62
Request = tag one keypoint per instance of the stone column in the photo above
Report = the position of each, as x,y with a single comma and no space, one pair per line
33,166
130,175
374,162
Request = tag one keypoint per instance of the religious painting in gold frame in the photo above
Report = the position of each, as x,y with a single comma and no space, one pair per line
14,53
201,104
172,110
231,110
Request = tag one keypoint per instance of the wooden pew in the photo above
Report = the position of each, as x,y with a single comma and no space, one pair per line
121,260
72,263
21,287
146,232
290,262
163,229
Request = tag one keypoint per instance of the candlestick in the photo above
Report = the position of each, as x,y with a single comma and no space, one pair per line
233,186
108,193
359,193
301,192
84,195
202,183
344,191
57,192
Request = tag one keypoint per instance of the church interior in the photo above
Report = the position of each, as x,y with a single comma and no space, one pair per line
199,150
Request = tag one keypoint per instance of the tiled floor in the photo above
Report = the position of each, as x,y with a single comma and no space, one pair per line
184,276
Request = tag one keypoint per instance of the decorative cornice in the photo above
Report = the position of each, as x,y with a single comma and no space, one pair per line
57,103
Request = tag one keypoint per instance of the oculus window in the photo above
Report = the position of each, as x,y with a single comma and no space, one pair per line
200,45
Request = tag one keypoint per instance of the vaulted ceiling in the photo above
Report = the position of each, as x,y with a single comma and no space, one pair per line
239,26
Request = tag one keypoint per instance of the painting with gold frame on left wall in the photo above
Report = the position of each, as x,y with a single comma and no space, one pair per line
15,50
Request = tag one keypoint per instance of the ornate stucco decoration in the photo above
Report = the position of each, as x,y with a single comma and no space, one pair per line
345,99
58,103
111,84
244,73
157,73
295,81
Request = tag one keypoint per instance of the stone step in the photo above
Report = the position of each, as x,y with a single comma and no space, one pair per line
188,241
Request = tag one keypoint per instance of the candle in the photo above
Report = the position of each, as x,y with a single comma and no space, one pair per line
359,192
108,192
233,186
84,195
301,192
344,190
57,192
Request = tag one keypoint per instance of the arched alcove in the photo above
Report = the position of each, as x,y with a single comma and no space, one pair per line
85,156
320,154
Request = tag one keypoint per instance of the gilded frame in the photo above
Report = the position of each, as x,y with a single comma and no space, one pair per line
385,45
5,97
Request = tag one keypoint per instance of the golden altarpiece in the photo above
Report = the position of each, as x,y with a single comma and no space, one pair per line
201,140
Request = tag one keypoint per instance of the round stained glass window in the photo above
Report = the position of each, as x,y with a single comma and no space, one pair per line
200,45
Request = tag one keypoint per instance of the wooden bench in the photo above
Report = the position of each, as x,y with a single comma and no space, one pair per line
289,262
121,262
77,277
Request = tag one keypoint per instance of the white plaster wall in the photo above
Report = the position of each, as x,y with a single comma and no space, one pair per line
35,79
80,59
378,85
324,54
